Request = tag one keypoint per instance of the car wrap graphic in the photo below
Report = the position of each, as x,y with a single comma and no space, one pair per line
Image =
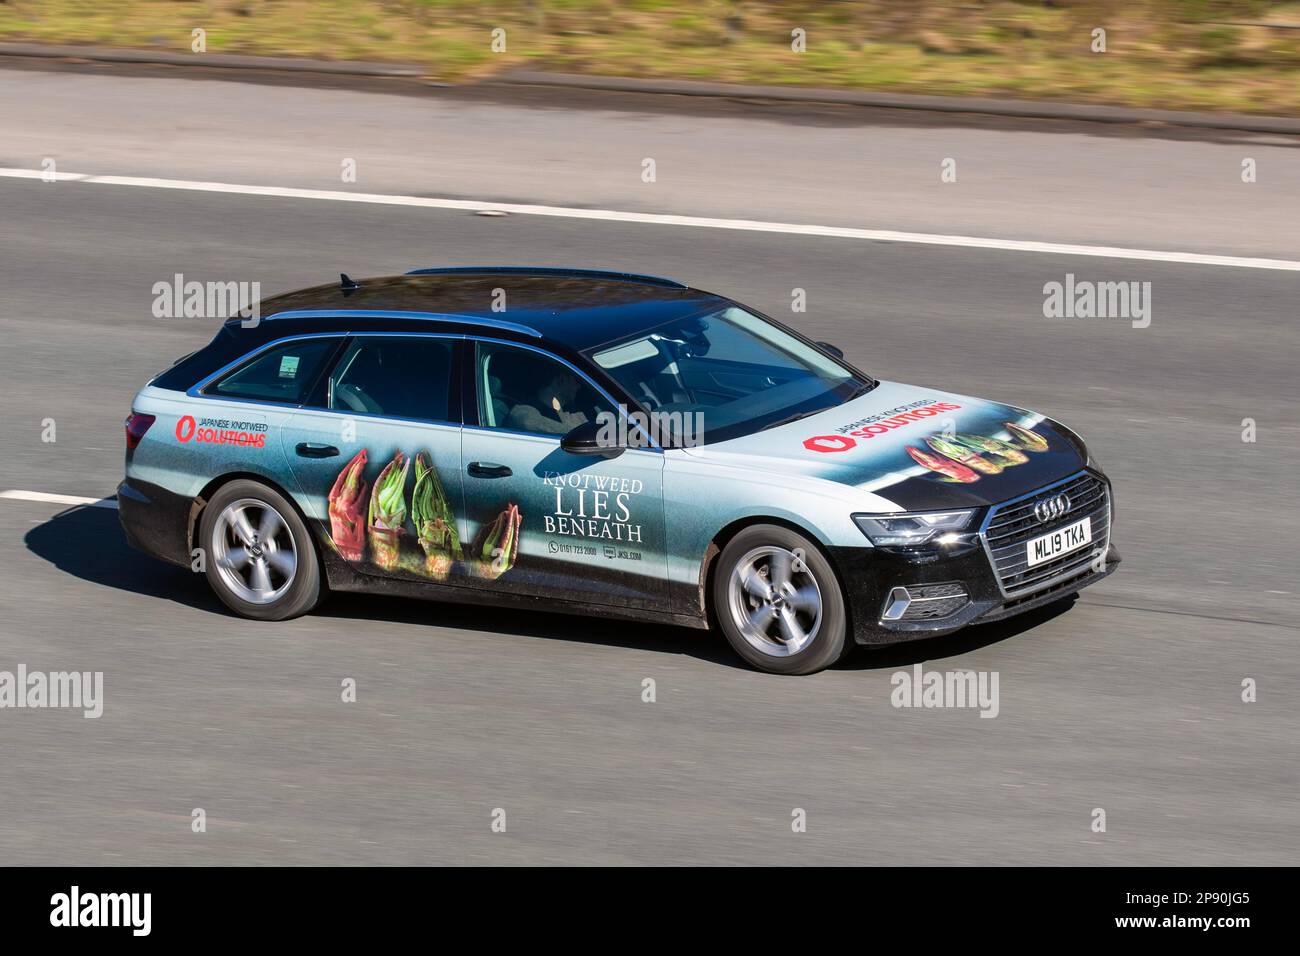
497,546
974,463
633,529
347,502
219,431
970,453
964,458
434,520
915,449
375,528
387,517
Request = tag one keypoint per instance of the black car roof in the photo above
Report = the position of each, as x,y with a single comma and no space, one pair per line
576,309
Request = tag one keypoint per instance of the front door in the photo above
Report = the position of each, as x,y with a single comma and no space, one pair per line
543,521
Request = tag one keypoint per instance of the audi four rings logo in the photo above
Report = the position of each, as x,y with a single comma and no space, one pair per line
1051,508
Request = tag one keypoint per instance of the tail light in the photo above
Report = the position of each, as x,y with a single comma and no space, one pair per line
136,426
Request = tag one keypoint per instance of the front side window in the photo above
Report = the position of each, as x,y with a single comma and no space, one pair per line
731,371
397,376
282,374
526,391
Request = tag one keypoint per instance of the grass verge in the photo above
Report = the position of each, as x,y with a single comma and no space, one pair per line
1229,55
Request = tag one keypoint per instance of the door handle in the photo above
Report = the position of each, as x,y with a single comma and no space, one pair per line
487,469
309,449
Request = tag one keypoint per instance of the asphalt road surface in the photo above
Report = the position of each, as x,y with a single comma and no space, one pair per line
1127,700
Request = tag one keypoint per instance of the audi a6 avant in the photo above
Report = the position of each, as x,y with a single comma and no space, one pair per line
495,436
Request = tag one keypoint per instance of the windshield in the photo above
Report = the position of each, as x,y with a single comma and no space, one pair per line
729,372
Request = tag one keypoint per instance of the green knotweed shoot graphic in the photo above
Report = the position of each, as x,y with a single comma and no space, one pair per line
435,522
388,513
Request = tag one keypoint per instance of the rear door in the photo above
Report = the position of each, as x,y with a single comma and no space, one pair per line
540,520
377,456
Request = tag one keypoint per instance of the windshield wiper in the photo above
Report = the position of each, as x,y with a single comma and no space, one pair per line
792,418
798,415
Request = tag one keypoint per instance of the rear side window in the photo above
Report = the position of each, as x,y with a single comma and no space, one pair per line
282,374
407,376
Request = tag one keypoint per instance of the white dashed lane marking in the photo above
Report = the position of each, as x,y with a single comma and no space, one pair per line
46,497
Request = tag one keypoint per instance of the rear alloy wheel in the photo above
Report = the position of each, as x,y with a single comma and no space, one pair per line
259,557
778,601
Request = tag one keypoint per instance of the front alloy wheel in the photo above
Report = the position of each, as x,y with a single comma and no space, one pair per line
775,601
778,601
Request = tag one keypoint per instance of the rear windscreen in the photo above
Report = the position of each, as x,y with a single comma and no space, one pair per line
193,368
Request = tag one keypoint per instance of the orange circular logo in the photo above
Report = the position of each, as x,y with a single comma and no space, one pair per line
829,443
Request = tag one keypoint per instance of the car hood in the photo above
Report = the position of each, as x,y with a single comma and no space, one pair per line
918,448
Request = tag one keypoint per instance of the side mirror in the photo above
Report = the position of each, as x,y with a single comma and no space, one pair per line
586,439
833,349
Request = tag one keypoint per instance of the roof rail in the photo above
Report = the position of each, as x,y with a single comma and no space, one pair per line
549,271
395,314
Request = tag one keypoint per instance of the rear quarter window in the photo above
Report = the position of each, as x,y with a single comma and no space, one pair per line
282,374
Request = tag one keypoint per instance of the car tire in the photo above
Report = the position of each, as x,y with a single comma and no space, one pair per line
778,601
258,554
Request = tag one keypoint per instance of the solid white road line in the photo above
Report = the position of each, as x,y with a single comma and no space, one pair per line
59,499
661,219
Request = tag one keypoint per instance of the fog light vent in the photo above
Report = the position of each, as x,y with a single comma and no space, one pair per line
925,602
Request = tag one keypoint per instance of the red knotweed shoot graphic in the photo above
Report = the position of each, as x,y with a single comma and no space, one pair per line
347,500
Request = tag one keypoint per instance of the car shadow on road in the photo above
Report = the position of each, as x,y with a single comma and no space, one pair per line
87,542
707,646
953,645
545,625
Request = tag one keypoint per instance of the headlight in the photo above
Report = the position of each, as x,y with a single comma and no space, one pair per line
909,529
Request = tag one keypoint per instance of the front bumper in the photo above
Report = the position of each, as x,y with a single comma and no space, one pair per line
872,575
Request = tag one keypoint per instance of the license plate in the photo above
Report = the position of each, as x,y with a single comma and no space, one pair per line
1061,541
